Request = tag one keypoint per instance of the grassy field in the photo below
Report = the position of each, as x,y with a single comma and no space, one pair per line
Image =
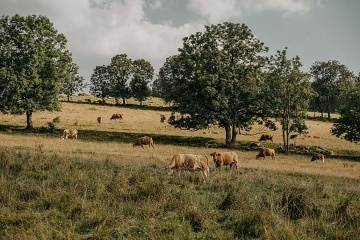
100,187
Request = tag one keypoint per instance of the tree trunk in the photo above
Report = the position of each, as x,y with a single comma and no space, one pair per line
234,132
228,135
29,123
68,97
124,100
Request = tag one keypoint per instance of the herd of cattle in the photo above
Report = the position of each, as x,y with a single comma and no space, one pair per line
195,162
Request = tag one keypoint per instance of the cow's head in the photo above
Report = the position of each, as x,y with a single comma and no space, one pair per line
216,156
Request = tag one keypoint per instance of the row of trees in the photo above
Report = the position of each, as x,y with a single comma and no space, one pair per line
220,76
113,79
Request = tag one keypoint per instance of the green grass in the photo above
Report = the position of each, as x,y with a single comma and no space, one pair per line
45,196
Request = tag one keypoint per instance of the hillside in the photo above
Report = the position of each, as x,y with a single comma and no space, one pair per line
113,138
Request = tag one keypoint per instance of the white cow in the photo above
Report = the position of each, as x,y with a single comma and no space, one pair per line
189,162
72,132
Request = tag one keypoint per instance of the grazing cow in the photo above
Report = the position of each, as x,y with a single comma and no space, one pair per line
294,136
266,137
144,141
99,120
266,152
117,116
225,158
190,162
69,132
318,156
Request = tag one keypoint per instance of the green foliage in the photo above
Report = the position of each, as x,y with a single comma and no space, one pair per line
34,65
348,125
120,71
215,78
56,120
287,94
44,195
332,82
122,78
75,83
143,73
100,82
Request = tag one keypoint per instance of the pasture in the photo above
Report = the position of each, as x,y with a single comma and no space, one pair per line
100,187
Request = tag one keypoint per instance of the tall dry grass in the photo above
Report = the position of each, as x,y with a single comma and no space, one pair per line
100,187
49,196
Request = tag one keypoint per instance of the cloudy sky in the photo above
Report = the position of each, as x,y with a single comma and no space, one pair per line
96,30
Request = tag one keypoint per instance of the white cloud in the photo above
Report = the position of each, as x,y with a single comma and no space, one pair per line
218,11
99,29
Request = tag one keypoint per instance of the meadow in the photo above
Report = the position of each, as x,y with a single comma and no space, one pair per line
100,187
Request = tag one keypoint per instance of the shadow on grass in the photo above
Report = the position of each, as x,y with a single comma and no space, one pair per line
124,137
130,106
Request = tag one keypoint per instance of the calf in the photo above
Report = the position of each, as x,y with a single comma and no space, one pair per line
266,137
266,152
144,141
225,158
99,120
190,162
72,132
318,156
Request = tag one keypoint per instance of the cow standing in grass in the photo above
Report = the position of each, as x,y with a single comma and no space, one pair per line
318,156
224,159
144,141
69,132
189,162
266,152
117,116
266,137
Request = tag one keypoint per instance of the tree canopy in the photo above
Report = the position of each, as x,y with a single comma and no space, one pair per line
215,78
348,125
34,64
75,83
122,78
143,73
288,94
331,81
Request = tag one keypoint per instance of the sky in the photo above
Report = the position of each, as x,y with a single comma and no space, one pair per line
97,30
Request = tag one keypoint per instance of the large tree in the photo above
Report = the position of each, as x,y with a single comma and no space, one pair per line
143,72
215,78
332,82
120,72
288,94
100,82
34,64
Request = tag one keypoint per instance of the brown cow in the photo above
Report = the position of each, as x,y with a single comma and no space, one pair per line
190,162
294,136
144,141
69,132
99,120
266,137
225,158
266,152
117,116
318,156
